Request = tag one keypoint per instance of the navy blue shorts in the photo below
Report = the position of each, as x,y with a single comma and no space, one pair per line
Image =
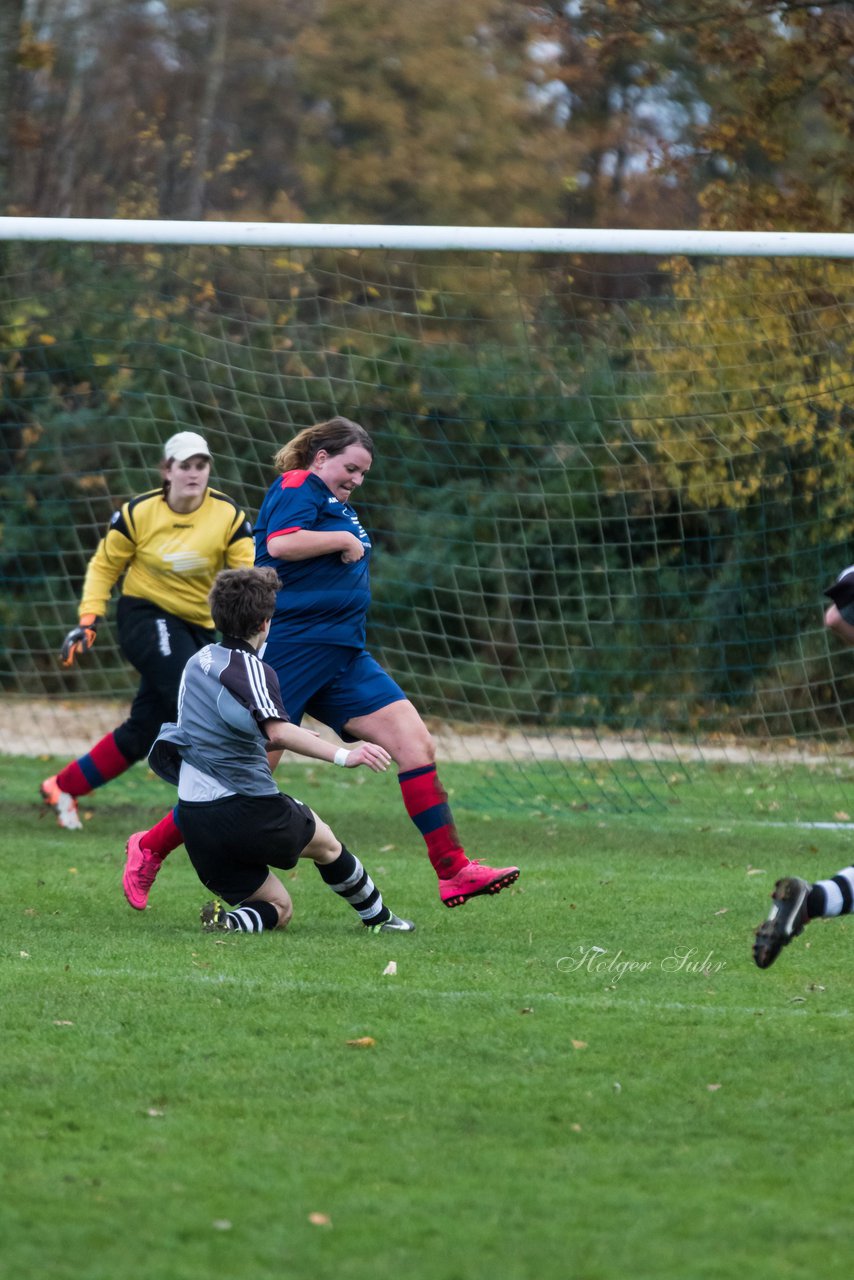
330,682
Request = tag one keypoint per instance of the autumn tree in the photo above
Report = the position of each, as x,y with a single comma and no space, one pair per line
733,113
141,115
426,113
386,111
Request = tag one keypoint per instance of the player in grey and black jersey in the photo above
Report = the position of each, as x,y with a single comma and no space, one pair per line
235,821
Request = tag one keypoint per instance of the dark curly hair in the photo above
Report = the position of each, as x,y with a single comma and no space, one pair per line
242,600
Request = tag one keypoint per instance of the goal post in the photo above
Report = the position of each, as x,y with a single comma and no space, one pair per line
611,484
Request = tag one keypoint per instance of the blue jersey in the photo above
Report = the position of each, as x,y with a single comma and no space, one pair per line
321,599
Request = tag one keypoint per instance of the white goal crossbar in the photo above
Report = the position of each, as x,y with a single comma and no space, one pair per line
330,235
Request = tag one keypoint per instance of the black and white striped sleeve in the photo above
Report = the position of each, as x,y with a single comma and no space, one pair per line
254,685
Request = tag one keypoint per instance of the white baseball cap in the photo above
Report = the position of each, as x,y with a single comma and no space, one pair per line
184,445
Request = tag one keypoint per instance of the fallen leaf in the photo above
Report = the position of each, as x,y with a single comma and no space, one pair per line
755,871
391,969
579,1044
722,911
713,1088
61,1022
221,1224
526,1010
25,955
363,1042
842,816
72,871
320,1219
153,1112
576,1128
386,848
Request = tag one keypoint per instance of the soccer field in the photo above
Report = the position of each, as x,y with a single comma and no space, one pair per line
585,1077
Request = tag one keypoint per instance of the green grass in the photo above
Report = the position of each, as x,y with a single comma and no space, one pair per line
176,1103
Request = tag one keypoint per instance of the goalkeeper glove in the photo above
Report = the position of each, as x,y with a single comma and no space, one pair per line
79,639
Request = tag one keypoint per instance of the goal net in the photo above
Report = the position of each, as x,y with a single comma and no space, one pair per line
612,482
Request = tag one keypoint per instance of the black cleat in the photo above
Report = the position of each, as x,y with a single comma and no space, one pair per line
785,921
214,917
394,924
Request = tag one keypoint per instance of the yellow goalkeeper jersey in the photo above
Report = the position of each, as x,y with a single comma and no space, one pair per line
166,557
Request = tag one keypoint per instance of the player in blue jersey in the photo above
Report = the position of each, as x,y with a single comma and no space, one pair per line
308,531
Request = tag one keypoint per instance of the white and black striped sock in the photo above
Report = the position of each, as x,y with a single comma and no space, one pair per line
253,917
349,879
834,897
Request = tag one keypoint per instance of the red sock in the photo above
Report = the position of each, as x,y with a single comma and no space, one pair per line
427,805
101,764
165,836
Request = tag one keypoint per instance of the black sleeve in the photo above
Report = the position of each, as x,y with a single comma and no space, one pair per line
254,685
842,590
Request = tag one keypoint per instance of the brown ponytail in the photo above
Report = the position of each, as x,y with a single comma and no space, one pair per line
334,436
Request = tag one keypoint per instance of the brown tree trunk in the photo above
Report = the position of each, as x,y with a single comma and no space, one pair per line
11,15
215,71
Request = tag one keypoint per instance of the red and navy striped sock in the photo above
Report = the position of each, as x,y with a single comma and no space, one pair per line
101,764
427,805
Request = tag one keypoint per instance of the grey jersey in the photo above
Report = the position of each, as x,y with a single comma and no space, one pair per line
226,693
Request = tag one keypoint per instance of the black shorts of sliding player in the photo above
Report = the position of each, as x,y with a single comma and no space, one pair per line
233,842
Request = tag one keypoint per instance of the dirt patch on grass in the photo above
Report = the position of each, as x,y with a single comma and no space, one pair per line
39,727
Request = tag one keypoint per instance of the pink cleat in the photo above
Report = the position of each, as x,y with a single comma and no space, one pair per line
141,868
474,879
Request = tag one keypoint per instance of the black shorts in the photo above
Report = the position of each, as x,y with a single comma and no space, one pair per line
233,842
159,645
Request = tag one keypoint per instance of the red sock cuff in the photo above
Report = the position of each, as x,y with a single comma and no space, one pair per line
165,836
421,789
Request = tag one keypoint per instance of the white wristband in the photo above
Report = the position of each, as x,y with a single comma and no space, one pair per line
342,755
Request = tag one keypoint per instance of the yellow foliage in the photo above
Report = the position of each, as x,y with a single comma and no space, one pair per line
33,54
232,159
92,483
744,361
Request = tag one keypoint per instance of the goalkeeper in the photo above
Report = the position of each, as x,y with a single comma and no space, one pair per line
168,545
309,533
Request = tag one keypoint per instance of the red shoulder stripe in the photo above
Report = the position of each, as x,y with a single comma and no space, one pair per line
293,479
